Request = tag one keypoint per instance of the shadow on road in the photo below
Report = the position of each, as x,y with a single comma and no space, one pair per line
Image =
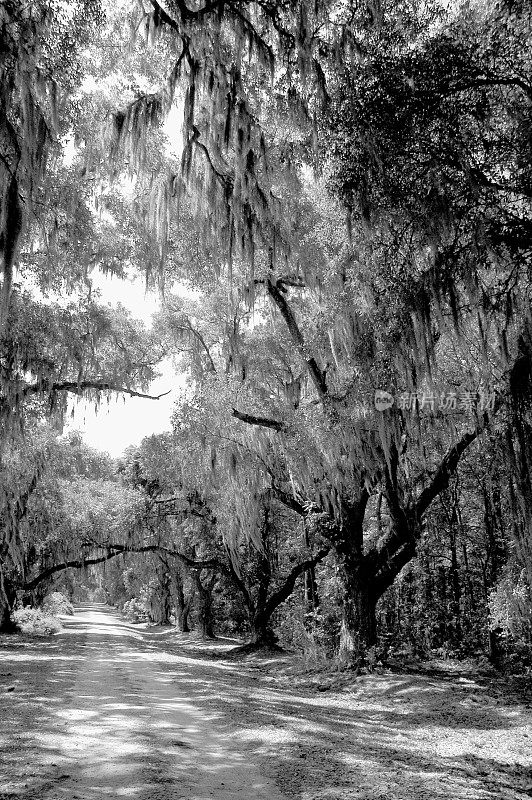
149,717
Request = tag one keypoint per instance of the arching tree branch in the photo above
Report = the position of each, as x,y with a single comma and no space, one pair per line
114,550
449,463
287,588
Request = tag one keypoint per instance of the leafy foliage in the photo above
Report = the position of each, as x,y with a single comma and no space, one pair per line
285,483
33,622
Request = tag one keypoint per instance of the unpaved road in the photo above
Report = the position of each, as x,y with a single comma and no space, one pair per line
108,709
114,721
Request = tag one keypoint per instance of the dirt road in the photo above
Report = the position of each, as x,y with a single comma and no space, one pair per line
114,721
108,709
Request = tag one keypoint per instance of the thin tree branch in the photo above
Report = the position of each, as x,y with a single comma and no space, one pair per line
188,327
476,83
76,388
185,12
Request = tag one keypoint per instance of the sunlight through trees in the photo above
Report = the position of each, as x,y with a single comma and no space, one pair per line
333,202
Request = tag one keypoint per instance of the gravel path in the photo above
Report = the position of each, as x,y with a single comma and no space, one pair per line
108,709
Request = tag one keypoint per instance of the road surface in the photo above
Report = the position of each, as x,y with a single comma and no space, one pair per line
107,709
117,721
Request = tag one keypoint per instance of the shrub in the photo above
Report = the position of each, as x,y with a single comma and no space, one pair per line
56,603
311,634
510,608
135,611
35,622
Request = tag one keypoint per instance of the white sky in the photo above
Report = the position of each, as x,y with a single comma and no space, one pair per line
126,420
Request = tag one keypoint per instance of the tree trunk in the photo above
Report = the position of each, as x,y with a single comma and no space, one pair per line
181,618
359,626
204,608
182,604
359,629
160,598
310,591
261,610
7,599
495,550
310,588
456,591
442,605
456,585
182,608
261,631
6,625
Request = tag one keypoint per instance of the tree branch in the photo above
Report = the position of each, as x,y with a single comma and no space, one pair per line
476,83
117,550
399,546
287,588
73,564
449,463
289,500
185,12
390,568
317,375
231,573
263,422
76,388
201,340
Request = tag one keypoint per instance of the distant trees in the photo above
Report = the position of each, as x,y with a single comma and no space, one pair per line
192,518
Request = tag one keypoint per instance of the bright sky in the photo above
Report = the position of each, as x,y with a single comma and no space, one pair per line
126,420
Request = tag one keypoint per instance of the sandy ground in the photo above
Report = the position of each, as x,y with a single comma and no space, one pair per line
108,709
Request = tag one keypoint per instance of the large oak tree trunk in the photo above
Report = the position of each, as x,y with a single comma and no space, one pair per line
261,631
358,630
359,627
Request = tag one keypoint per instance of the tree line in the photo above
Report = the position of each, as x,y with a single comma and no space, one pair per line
339,227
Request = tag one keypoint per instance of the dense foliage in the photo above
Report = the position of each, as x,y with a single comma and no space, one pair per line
333,200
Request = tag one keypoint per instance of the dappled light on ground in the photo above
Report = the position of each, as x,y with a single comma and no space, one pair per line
109,709
112,724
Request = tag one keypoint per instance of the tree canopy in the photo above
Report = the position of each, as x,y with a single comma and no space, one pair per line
333,202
